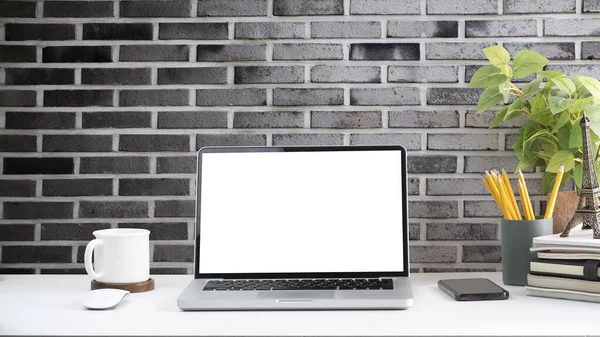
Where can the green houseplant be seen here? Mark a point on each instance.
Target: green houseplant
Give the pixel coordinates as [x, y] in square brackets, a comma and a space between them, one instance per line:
[552, 103]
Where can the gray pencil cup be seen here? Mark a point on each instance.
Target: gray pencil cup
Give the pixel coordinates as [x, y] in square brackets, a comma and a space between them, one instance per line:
[516, 238]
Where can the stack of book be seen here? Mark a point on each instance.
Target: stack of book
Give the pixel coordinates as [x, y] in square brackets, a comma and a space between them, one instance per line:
[565, 267]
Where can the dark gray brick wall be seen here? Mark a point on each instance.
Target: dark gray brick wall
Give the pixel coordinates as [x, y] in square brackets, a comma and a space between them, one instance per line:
[103, 105]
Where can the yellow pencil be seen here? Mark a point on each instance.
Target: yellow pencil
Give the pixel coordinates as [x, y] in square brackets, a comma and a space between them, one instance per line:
[552, 201]
[530, 215]
[508, 214]
[523, 201]
[511, 195]
[490, 189]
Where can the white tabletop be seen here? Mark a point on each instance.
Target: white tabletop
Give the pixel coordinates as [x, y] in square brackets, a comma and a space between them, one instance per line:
[49, 305]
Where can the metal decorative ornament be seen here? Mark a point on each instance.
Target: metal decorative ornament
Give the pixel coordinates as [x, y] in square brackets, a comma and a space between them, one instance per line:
[588, 207]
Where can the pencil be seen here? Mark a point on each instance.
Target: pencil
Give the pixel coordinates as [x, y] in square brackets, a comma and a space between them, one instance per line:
[508, 213]
[529, 215]
[552, 200]
[523, 201]
[511, 195]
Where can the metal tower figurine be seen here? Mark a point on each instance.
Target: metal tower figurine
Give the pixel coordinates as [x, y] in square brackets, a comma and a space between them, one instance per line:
[588, 207]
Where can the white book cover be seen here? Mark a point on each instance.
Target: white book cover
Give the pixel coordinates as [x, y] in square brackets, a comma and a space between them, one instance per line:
[568, 256]
[563, 294]
[577, 238]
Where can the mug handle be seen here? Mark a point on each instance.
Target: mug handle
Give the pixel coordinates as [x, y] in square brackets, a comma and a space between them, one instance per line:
[87, 259]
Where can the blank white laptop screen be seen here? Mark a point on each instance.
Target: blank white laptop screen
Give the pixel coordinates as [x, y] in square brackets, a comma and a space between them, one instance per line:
[294, 212]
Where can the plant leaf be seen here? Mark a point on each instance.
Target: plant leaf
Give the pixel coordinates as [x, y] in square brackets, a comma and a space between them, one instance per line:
[527, 62]
[504, 89]
[563, 157]
[550, 74]
[565, 85]
[499, 117]
[558, 104]
[531, 86]
[487, 76]
[497, 55]
[562, 120]
[489, 98]
[591, 84]
[575, 140]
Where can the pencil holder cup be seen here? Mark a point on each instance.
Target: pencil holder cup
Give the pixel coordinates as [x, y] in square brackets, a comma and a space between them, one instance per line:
[516, 238]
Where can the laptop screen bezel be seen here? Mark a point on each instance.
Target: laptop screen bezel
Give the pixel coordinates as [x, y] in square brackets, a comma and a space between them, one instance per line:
[211, 149]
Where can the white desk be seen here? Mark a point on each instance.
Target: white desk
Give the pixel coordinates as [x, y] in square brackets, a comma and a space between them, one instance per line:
[50, 305]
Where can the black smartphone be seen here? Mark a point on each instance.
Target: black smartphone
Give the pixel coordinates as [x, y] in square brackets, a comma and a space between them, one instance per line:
[472, 289]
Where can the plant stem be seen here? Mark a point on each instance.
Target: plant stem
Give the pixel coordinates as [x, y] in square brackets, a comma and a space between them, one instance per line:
[518, 91]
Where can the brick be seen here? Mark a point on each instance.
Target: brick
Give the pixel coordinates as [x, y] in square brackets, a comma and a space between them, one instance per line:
[88, 54]
[17, 9]
[116, 119]
[500, 28]
[345, 29]
[478, 164]
[479, 253]
[345, 74]
[173, 253]
[15, 271]
[77, 143]
[455, 186]
[571, 27]
[315, 96]
[185, 164]
[241, 97]
[17, 232]
[175, 208]
[162, 230]
[77, 187]
[78, 9]
[193, 31]
[154, 53]
[589, 6]
[268, 119]
[16, 188]
[308, 139]
[423, 74]
[114, 165]
[206, 75]
[232, 8]
[462, 7]
[147, 9]
[153, 97]
[414, 231]
[580, 69]
[456, 50]
[411, 141]
[552, 51]
[486, 118]
[381, 51]
[589, 50]
[169, 271]
[345, 119]
[154, 143]
[455, 141]
[431, 164]
[385, 96]
[433, 209]
[36, 76]
[18, 143]
[115, 76]
[452, 96]
[308, 7]
[131, 187]
[458, 270]
[36, 254]
[538, 6]
[24, 32]
[70, 231]
[231, 140]
[422, 29]
[62, 271]
[481, 209]
[17, 98]
[385, 7]
[413, 186]
[305, 51]
[113, 209]
[17, 53]
[269, 30]
[424, 119]
[117, 31]
[433, 254]
[78, 98]
[192, 119]
[38, 166]
[462, 231]
[265, 74]
[233, 52]
[38, 210]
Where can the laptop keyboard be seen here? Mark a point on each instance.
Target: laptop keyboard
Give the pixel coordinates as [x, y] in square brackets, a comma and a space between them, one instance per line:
[299, 284]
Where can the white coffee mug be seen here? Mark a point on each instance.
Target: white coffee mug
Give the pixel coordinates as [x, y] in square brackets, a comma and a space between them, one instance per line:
[121, 255]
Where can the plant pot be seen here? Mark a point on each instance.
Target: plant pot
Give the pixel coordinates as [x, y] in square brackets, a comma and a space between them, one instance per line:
[566, 203]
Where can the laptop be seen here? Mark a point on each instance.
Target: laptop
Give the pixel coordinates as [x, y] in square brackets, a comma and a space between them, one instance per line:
[298, 228]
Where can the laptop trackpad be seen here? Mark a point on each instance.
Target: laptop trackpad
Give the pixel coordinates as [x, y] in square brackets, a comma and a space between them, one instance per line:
[295, 295]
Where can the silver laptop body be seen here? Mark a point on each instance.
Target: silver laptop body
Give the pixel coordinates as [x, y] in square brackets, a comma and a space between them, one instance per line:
[325, 218]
